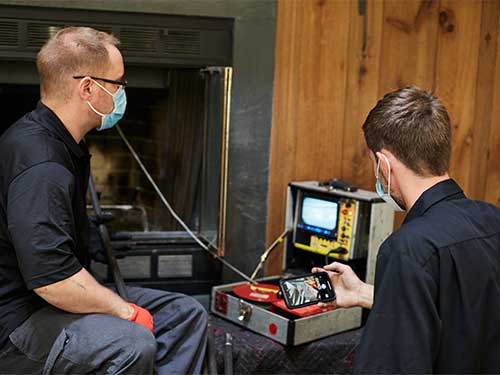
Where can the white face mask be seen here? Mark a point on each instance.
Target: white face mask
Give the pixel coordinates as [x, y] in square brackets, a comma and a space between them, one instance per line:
[386, 196]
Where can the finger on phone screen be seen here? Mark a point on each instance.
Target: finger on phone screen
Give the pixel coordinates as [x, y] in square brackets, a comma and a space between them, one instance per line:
[336, 266]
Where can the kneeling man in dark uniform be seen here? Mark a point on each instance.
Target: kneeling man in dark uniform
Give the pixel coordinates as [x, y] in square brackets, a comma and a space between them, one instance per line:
[54, 316]
[435, 303]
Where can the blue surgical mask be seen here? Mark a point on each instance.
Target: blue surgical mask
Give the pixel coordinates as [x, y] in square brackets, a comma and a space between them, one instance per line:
[108, 120]
[386, 196]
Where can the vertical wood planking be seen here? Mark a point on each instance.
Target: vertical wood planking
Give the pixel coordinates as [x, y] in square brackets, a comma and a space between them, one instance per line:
[283, 138]
[484, 99]
[409, 47]
[362, 92]
[492, 193]
[457, 62]
[308, 115]
[409, 43]
[322, 84]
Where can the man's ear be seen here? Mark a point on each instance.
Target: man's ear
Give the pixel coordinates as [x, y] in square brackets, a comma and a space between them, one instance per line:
[389, 155]
[382, 158]
[85, 88]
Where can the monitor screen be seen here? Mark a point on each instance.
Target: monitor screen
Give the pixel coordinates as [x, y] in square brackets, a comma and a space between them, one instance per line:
[319, 213]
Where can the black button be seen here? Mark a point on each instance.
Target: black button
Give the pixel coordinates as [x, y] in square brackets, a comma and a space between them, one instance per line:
[342, 250]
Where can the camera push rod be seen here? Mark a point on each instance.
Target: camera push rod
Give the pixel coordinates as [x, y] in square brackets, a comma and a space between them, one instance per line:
[266, 254]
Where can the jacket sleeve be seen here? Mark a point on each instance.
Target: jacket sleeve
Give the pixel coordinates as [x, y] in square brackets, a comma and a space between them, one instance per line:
[403, 329]
[41, 224]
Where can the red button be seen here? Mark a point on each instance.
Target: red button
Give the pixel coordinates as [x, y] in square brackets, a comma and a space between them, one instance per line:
[273, 328]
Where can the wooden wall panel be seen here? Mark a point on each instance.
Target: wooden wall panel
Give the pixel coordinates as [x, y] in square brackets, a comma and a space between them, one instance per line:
[325, 84]
[457, 66]
[323, 54]
[484, 103]
[409, 47]
[409, 42]
[314, 37]
[492, 191]
[362, 90]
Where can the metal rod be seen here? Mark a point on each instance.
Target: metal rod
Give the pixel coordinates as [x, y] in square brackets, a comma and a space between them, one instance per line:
[106, 243]
[172, 212]
[211, 350]
[264, 256]
[228, 355]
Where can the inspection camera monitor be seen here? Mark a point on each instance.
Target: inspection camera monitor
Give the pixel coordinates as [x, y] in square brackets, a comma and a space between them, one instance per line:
[332, 223]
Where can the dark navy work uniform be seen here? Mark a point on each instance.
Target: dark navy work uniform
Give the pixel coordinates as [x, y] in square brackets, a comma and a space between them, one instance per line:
[43, 240]
[437, 290]
[43, 220]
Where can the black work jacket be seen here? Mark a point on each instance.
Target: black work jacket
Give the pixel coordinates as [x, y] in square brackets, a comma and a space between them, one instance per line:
[437, 290]
[43, 220]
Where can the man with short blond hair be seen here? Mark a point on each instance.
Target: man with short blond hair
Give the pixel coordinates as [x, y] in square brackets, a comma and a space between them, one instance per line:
[54, 316]
[76, 49]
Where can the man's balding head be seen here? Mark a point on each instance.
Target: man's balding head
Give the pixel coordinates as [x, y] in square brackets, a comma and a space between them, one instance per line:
[72, 51]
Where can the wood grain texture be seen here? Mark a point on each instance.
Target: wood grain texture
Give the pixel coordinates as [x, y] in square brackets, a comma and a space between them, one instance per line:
[457, 70]
[409, 48]
[362, 91]
[483, 106]
[409, 43]
[325, 84]
[492, 191]
[283, 136]
[311, 72]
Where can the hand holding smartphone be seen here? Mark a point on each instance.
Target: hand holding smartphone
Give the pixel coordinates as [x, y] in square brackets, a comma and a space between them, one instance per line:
[307, 290]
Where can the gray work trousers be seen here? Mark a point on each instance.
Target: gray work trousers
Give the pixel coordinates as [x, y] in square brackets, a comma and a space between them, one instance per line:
[53, 341]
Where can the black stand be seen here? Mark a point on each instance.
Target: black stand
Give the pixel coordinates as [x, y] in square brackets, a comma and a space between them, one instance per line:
[106, 243]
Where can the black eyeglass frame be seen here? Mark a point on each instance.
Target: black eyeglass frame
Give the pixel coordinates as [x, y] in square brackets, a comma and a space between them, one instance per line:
[121, 83]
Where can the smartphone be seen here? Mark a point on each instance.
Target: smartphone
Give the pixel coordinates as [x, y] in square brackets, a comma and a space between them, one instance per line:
[307, 290]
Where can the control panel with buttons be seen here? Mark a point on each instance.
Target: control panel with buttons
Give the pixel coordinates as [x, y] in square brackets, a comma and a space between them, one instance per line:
[330, 222]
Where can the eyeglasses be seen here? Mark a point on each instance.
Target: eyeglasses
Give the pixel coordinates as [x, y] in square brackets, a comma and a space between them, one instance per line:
[121, 83]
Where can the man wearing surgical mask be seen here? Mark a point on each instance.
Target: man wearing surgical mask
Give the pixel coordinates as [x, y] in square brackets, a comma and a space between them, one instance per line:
[434, 305]
[54, 316]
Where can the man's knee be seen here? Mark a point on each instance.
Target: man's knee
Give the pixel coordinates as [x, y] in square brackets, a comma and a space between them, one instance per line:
[135, 352]
[140, 343]
[104, 343]
[195, 310]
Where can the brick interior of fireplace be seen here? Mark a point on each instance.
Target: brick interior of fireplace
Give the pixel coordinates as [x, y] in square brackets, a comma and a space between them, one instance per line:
[165, 126]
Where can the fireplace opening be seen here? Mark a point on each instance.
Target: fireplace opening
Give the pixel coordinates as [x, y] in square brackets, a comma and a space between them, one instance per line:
[166, 127]
[175, 127]
[177, 119]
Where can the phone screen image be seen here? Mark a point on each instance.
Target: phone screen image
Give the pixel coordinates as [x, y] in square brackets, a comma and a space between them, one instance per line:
[307, 290]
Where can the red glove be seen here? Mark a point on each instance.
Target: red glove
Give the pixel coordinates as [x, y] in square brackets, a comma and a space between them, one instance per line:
[142, 316]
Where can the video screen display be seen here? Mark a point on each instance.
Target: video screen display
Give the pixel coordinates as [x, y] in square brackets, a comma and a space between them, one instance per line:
[301, 291]
[320, 213]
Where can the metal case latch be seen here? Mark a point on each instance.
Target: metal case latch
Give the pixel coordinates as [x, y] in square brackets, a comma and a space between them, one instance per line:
[245, 311]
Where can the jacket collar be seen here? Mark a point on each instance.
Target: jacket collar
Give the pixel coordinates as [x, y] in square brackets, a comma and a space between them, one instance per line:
[49, 120]
[444, 190]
